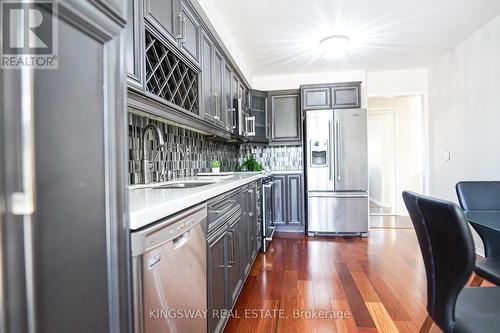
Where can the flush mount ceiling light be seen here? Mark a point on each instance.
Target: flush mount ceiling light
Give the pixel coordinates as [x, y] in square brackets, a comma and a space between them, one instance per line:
[334, 47]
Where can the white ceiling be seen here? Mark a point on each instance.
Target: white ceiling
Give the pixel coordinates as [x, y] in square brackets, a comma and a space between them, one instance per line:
[281, 36]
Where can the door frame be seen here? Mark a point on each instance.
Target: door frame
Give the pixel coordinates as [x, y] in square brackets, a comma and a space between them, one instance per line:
[393, 112]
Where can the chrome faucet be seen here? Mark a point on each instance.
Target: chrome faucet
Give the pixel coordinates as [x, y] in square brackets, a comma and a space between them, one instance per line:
[183, 154]
[147, 165]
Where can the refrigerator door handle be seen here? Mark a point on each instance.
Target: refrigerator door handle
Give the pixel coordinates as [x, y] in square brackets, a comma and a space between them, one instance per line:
[330, 140]
[23, 203]
[337, 149]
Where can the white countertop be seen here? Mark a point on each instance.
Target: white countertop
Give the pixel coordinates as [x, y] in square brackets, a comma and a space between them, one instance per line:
[147, 205]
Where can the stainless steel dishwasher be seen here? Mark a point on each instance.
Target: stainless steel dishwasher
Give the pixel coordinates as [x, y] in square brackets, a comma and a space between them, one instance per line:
[169, 274]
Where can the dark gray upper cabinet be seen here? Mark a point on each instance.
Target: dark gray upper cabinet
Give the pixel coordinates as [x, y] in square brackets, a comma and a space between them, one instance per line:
[347, 97]
[207, 79]
[316, 98]
[286, 117]
[134, 46]
[218, 76]
[164, 16]
[228, 110]
[258, 109]
[342, 95]
[189, 34]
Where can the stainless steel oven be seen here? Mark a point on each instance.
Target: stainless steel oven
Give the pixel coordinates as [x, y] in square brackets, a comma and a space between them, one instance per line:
[267, 209]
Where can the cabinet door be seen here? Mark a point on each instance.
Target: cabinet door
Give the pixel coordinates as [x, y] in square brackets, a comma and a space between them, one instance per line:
[258, 109]
[207, 52]
[346, 97]
[218, 68]
[316, 98]
[216, 282]
[235, 261]
[229, 114]
[134, 47]
[189, 34]
[242, 245]
[286, 119]
[251, 223]
[163, 14]
[295, 200]
[279, 200]
[235, 86]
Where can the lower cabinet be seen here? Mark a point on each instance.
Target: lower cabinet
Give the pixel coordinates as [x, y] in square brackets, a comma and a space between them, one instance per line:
[235, 260]
[232, 246]
[288, 202]
[216, 275]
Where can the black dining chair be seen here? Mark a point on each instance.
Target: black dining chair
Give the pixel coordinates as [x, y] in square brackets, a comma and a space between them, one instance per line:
[483, 196]
[448, 252]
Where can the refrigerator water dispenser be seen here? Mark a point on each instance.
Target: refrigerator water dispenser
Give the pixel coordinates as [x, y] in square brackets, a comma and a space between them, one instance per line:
[318, 151]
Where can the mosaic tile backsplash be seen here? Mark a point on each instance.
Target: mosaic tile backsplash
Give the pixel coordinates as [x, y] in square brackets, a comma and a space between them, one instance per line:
[275, 158]
[199, 151]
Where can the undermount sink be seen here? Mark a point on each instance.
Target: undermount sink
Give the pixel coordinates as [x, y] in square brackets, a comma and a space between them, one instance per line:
[183, 185]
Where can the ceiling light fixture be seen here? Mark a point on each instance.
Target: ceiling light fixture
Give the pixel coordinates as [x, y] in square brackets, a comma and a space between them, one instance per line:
[335, 46]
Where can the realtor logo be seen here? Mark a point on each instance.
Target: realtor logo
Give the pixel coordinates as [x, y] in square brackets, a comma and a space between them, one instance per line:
[29, 34]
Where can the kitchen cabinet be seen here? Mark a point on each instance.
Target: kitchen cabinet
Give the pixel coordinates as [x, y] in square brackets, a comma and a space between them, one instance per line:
[176, 21]
[286, 118]
[346, 97]
[216, 266]
[218, 76]
[231, 249]
[295, 200]
[258, 109]
[164, 16]
[207, 79]
[235, 260]
[279, 200]
[134, 44]
[342, 95]
[228, 110]
[316, 98]
[75, 241]
[288, 202]
[189, 34]
[212, 63]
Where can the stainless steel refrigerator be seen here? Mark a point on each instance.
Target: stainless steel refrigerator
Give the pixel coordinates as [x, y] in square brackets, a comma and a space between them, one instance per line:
[337, 171]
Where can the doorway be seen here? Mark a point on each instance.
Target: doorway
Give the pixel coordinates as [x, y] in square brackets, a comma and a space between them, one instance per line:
[382, 161]
[395, 157]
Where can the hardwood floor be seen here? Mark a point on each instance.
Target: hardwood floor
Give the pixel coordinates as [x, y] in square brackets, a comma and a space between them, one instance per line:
[376, 284]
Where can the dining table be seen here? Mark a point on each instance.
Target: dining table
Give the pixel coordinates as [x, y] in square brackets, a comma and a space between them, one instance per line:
[487, 225]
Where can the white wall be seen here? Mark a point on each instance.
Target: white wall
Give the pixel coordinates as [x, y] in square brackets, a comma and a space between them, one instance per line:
[225, 37]
[397, 83]
[464, 110]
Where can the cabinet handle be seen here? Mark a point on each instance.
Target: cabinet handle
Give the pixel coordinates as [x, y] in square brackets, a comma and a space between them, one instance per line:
[232, 261]
[337, 149]
[184, 27]
[179, 26]
[23, 203]
[330, 153]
